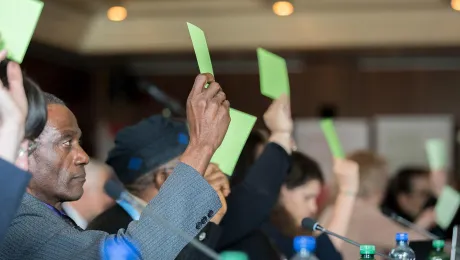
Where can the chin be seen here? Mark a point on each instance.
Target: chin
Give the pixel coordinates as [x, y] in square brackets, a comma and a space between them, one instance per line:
[74, 195]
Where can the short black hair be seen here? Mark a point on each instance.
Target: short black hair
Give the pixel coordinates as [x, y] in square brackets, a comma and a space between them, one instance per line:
[52, 99]
[303, 169]
[402, 181]
[37, 113]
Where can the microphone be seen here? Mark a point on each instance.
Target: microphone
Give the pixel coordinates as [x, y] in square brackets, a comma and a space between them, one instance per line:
[311, 224]
[134, 207]
[408, 224]
[162, 98]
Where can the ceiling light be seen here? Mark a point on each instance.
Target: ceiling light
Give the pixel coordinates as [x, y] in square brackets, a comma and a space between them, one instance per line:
[455, 5]
[283, 8]
[117, 13]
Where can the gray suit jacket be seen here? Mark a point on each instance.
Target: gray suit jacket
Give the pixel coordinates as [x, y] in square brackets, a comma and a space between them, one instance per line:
[185, 200]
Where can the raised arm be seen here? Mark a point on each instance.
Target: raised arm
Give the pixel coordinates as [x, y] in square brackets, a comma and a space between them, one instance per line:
[251, 201]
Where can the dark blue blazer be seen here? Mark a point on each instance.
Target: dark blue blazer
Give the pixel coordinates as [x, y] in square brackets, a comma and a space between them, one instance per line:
[13, 183]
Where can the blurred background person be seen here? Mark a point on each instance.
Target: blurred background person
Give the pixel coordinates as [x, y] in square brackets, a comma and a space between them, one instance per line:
[367, 221]
[94, 200]
[408, 194]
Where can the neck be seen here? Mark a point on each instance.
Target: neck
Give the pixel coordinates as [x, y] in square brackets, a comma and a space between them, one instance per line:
[148, 194]
[46, 199]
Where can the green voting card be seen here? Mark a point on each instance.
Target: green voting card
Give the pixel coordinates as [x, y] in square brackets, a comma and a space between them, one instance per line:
[447, 206]
[436, 153]
[201, 48]
[327, 125]
[238, 132]
[18, 19]
[274, 79]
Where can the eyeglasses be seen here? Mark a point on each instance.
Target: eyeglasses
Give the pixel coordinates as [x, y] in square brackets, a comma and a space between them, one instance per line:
[30, 149]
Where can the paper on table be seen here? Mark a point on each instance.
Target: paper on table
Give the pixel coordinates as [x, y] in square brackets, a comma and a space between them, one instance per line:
[18, 19]
[274, 79]
[327, 125]
[436, 152]
[446, 207]
[238, 132]
[201, 48]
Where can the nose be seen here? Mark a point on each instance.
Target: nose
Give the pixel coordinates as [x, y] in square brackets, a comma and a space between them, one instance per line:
[82, 157]
[314, 207]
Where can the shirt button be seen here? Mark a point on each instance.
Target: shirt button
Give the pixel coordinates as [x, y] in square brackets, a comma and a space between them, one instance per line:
[198, 225]
[204, 220]
[210, 214]
[202, 236]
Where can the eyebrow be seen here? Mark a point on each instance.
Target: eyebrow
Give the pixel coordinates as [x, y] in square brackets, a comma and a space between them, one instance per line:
[70, 132]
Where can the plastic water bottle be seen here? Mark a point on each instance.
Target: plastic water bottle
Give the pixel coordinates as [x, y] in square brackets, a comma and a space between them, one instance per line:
[304, 247]
[438, 251]
[233, 255]
[367, 252]
[402, 251]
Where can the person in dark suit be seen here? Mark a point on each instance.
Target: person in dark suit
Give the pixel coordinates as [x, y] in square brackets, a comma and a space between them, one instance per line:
[22, 118]
[153, 148]
[40, 230]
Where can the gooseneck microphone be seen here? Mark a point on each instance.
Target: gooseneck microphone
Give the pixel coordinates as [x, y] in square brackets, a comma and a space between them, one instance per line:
[312, 225]
[408, 224]
[134, 206]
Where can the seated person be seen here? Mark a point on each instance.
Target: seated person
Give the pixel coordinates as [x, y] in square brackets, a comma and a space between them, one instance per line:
[368, 224]
[158, 142]
[41, 230]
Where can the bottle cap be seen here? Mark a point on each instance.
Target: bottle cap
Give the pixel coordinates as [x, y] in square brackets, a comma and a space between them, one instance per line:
[402, 237]
[233, 255]
[367, 249]
[438, 243]
[304, 242]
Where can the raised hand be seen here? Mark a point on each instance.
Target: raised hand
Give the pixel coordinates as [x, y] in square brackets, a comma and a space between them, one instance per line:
[13, 111]
[219, 181]
[208, 117]
[279, 121]
[347, 175]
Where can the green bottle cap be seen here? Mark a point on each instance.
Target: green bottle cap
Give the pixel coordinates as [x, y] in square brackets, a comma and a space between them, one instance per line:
[438, 243]
[233, 255]
[367, 249]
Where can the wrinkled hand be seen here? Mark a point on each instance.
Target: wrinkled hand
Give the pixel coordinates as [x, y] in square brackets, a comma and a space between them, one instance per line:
[13, 111]
[208, 117]
[219, 181]
[426, 219]
[347, 175]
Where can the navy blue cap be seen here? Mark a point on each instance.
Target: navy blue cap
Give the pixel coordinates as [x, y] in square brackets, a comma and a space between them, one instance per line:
[304, 242]
[402, 237]
[142, 148]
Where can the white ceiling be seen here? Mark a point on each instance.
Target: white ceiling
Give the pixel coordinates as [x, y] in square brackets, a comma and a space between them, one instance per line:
[159, 25]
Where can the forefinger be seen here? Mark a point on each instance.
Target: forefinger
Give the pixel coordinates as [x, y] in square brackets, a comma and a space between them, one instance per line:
[200, 82]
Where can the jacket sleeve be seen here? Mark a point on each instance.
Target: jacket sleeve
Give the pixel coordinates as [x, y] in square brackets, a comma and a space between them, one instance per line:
[209, 236]
[250, 202]
[14, 182]
[184, 203]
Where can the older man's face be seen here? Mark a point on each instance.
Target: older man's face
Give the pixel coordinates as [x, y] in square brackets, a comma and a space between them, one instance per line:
[58, 163]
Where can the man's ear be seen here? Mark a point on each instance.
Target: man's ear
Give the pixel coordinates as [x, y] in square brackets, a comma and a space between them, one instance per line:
[160, 178]
[22, 161]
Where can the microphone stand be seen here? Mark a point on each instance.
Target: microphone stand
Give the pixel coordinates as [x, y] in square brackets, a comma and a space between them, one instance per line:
[317, 227]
